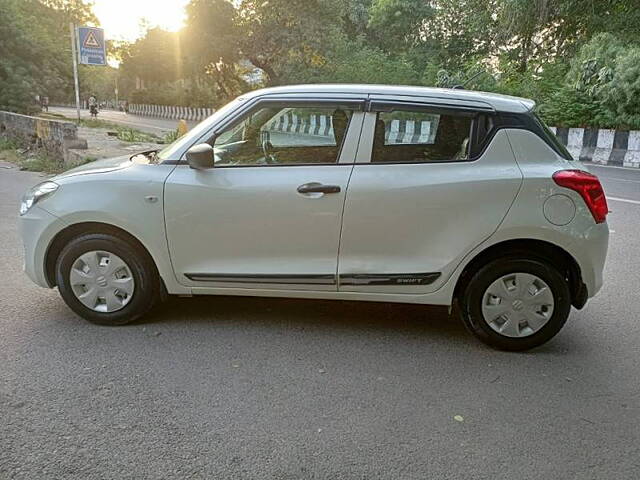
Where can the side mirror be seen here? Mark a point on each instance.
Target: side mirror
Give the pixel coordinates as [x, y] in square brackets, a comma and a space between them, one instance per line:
[201, 156]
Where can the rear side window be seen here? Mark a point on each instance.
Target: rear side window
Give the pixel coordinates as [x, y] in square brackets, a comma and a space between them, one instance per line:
[421, 136]
[530, 121]
[552, 139]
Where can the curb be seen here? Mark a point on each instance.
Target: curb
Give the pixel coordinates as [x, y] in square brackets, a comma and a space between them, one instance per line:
[602, 146]
[171, 112]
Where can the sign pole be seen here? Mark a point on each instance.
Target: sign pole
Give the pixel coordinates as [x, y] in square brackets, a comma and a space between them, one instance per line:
[72, 30]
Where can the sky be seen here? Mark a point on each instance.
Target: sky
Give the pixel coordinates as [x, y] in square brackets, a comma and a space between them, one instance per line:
[122, 19]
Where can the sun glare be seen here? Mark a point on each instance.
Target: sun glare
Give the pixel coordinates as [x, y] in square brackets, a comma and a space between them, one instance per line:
[126, 19]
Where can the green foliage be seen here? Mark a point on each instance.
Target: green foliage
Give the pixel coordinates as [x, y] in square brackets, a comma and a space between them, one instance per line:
[594, 63]
[97, 123]
[7, 144]
[567, 107]
[171, 136]
[99, 81]
[34, 50]
[621, 96]
[396, 23]
[155, 58]
[40, 162]
[132, 135]
[211, 50]
[275, 33]
[352, 61]
[578, 60]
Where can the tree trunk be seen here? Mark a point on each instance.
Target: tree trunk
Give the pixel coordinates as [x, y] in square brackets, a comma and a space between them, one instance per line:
[266, 68]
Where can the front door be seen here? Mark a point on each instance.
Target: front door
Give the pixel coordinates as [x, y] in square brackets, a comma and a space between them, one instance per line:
[268, 215]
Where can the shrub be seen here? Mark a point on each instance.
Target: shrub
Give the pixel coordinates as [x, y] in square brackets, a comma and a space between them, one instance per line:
[621, 96]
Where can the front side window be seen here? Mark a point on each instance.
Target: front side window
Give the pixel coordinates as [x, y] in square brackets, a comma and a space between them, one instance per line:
[421, 136]
[284, 135]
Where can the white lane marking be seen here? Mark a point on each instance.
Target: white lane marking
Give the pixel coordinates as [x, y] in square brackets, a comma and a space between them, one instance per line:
[593, 165]
[625, 200]
[620, 179]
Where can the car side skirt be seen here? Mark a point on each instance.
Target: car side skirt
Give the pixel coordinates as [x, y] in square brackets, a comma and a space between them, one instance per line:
[319, 279]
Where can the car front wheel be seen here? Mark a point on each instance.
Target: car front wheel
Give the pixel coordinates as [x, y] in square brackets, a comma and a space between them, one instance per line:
[106, 279]
[516, 304]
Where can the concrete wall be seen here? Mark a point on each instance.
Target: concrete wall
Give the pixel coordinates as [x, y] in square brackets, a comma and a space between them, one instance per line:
[52, 136]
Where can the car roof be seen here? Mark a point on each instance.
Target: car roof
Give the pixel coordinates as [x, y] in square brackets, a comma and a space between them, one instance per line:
[497, 102]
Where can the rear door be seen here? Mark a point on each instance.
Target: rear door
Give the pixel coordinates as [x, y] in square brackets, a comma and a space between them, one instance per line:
[428, 186]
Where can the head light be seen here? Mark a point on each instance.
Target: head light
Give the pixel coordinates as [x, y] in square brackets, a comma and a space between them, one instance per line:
[35, 194]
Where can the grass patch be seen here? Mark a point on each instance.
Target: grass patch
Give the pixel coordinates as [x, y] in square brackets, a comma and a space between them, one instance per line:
[171, 136]
[7, 144]
[39, 162]
[95, 123]
[53, 116]
[125, 134]
[132, 135]
[36, 163]
[10, 156]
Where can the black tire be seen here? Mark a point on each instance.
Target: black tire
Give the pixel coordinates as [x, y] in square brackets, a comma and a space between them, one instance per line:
[471, 302]
[145, 275]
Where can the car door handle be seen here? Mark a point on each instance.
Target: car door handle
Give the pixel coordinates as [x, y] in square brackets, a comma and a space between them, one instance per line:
[318, 188]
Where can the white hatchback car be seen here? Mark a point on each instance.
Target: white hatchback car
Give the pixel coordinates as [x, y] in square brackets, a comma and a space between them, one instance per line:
[358, 192]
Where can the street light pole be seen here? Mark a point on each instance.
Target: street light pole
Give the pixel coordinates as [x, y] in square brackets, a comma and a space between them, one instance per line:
[72, 30]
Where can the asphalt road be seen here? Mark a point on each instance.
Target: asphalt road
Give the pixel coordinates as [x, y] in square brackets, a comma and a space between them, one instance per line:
[262, 388]
[159, 126]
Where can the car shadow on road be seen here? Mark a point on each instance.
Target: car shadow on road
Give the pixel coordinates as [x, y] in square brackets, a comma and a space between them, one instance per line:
[330, 314]
[433, 323]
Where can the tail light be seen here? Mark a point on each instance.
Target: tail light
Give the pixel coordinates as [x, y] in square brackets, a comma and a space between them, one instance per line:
[589, 188]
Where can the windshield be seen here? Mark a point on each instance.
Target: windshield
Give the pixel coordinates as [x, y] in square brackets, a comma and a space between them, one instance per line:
[171, 150]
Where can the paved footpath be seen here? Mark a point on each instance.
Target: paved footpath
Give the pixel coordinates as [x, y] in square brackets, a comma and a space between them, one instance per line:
[236, 388]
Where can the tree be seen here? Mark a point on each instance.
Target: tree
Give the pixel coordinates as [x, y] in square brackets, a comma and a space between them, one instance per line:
[210, 41]
[621, 96]
[396, 24]
[276, 32]
[35, 57]
[155, 58]
[353, 61]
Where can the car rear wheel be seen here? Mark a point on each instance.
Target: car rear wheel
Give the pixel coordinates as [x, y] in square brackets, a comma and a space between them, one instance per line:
[106, 279]
[516, 304]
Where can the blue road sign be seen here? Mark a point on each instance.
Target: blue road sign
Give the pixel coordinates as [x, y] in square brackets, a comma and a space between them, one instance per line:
[91, 48]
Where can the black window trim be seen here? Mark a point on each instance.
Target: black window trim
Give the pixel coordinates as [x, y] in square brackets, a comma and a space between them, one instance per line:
[528, 121]
[456, 109]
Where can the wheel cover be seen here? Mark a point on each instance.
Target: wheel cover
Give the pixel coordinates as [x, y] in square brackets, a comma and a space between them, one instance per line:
[517, 305]
[101, 281]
